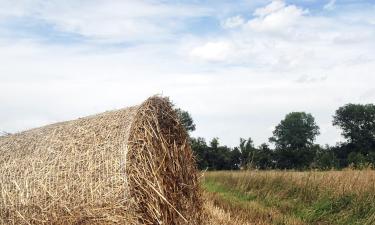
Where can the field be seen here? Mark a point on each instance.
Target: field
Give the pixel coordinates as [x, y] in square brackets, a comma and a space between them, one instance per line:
[290, 198]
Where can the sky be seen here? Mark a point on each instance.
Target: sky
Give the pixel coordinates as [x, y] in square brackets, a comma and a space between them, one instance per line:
[238, 66]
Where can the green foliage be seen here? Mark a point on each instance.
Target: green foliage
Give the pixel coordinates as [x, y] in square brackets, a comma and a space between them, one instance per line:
[247, 150]
[214, 143]
[214, 156]
[235, 159]
[294, 138]
[356, 159]
[325, 159]
[357, 123]
[264, 157]
[199, 148]
[217, 157]
[186, 119]
[371, 158]
[297, 131]
[294, 144]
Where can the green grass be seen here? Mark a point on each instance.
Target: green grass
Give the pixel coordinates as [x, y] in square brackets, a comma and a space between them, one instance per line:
[228, 193]
[292, 199]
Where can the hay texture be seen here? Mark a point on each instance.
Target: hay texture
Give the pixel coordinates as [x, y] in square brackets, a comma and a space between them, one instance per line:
[130, 166]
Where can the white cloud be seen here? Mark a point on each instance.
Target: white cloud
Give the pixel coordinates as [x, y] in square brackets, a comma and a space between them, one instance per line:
[273, 7]
[327, 60]
[330, 5]
[236, 82]
[233, 22]
[108, 21]
[277, 16]
[212, 51]
[80, 80]
[283, 37]
[9, 8]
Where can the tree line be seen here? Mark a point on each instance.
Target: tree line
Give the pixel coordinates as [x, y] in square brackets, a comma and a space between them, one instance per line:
[294, 144]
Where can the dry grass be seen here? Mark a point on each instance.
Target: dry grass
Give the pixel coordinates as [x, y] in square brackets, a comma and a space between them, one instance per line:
[229, 208]
[130, 166]
[337, 182]
[286, 197]
[217, 215]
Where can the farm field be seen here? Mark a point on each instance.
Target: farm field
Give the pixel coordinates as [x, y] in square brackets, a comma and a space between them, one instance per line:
[290, 198]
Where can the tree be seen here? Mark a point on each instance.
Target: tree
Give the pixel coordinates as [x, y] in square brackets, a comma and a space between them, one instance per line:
[235, 159]
[356, 159]
[214, 143]
[185, 119]
[215, 156]
[247, 150]
[358, 125]
[294, 140]
[297, 130]
[199, 147]
[342, 151]
[263, 157]
[325, 158]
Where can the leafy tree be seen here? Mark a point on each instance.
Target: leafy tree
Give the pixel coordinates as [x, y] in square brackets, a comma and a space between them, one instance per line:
[219, 156]
[358, 125]
[235, 159]
[223, 158]
[247, 150]
[294, 158]
[325, 158]
[371, 158]
[214, 143]
[186, 119]
[342, 151]
[263, 157]
[215, 156]
[297, 130]
[294, 138]
[356, 159]
[199, 148]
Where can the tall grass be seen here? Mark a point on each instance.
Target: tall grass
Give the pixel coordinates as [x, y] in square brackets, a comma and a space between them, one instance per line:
[332, 197]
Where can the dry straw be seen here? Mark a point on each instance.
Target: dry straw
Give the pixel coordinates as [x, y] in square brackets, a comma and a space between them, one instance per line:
[130, 166]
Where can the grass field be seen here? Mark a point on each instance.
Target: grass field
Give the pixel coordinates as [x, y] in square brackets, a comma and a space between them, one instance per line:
[284, 197]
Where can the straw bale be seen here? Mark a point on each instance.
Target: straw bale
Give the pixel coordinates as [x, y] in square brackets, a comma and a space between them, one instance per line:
[129, 166]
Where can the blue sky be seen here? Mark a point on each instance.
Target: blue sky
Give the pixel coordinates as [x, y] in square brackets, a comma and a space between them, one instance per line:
[237, 66]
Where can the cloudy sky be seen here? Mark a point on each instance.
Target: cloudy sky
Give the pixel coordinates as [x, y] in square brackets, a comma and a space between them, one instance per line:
[238, 66]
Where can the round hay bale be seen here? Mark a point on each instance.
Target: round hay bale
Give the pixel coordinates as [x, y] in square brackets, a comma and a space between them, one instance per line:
[130, 166]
